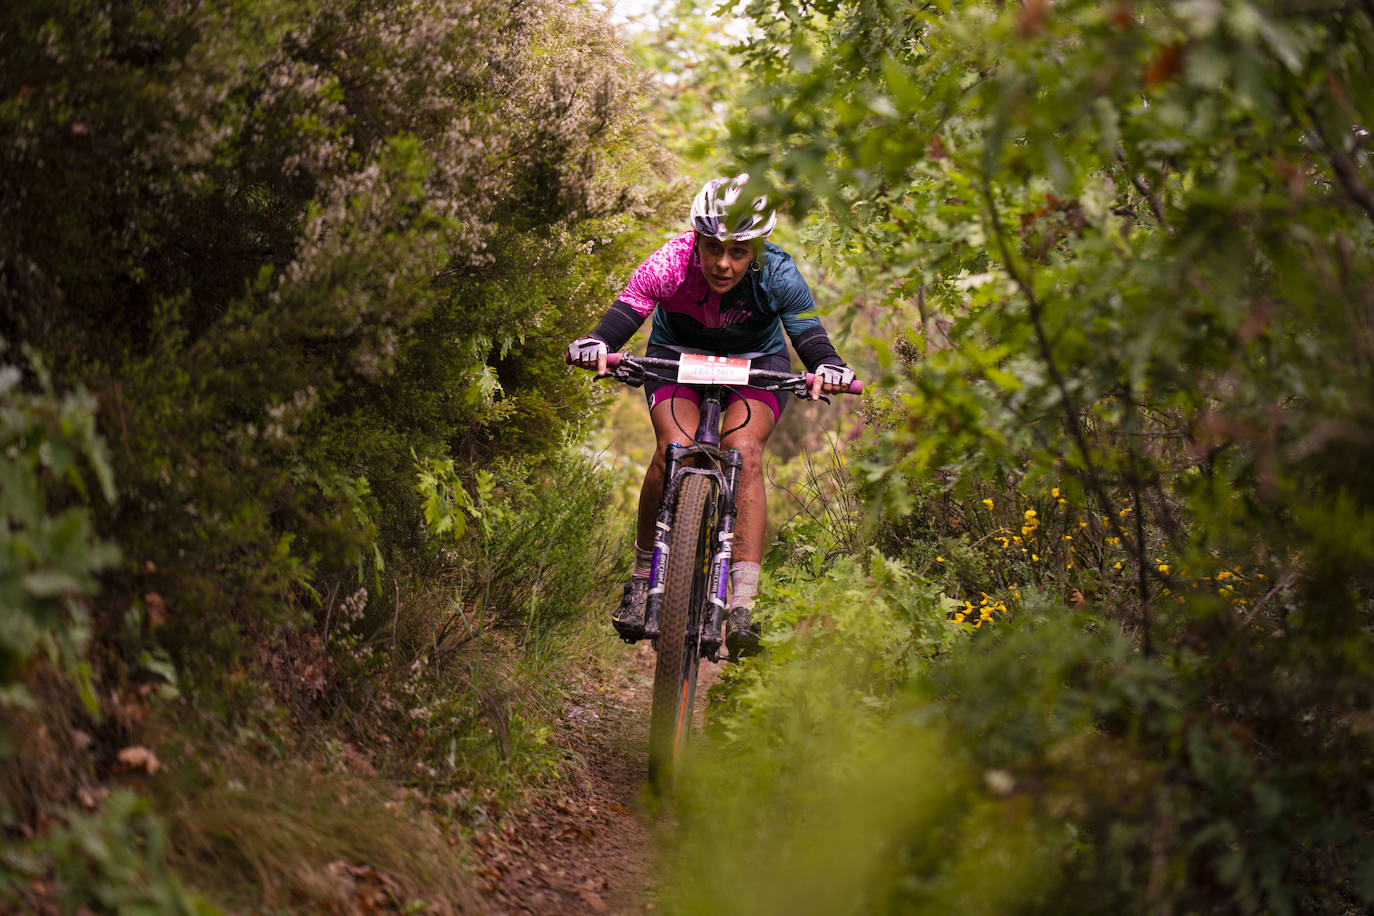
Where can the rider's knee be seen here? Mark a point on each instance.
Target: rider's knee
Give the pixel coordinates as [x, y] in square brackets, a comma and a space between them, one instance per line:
[660, 455]
[749, 448]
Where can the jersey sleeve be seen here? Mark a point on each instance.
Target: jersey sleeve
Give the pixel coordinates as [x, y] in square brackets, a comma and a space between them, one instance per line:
[796, 308]
[658, 277]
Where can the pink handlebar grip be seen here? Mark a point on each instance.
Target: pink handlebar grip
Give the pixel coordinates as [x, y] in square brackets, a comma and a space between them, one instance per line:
[855, 387]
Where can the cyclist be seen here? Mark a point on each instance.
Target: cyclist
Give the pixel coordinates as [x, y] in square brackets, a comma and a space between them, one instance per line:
[720, 289]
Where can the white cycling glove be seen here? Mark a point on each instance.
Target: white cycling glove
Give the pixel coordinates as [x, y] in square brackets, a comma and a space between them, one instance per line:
[840, 376]
[585, 351]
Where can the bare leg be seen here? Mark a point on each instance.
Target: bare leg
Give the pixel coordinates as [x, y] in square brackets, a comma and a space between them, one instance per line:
[750, 499]
[755, 422]
[674, 420]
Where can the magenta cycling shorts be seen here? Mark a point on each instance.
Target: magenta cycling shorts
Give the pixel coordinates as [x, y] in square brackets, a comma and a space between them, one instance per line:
[657, 391]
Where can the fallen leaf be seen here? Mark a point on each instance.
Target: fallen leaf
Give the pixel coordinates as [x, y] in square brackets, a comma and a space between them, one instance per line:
[140, 758]
[156, 608]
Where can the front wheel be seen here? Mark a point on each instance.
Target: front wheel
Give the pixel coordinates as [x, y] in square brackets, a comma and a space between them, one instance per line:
[684, 595]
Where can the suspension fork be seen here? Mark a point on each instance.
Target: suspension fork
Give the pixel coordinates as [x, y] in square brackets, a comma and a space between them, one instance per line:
[719, 575]
[725, 541]
[663, 526]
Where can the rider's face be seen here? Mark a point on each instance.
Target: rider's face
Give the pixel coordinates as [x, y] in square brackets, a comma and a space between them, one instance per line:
[723, 263]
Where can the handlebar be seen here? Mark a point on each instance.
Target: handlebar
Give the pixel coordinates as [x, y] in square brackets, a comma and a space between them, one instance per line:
[637, 367]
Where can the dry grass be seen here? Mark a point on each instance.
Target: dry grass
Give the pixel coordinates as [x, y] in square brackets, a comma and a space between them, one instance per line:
[302, 836]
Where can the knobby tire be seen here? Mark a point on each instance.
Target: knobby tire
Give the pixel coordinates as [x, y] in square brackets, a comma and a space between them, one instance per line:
[675, 672]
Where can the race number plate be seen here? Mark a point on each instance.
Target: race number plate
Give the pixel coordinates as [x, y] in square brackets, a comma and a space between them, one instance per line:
[698, 369]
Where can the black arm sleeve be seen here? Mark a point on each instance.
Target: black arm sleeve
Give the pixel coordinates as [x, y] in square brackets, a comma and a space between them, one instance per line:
[815, 349]
[618, 325]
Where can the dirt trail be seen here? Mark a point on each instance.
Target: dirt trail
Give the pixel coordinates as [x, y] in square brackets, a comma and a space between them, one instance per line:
[590, 850]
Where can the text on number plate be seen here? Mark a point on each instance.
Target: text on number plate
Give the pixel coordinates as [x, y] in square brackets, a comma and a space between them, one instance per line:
[699, 369]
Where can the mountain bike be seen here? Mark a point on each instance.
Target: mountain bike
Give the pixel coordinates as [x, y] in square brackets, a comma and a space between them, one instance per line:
[694, 532]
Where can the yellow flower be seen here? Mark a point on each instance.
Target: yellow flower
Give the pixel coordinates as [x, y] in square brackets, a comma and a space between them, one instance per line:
[1118, 565]
[988, 503]
[1055, 492]
[1082, 524]
[1063, 503]
[1164, 568]
[1030, 513]
[1016, 594]
[939, 559]
[958, 618]
[1035, 558]
[1066, 538]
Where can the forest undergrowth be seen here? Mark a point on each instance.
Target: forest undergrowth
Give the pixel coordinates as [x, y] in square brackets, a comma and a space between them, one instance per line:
[1103, 641]
[288, 612]
[1081, 622]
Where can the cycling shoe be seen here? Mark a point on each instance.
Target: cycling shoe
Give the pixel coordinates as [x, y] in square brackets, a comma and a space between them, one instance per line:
[628, 619]
[741, 634]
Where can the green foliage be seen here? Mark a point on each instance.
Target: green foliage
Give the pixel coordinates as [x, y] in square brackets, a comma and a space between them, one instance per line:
[291, 246]
[456, 673]
[543, 531]
[112, 861]
[1125, 356]
[298, 251]
[49, 552]
[846, 791]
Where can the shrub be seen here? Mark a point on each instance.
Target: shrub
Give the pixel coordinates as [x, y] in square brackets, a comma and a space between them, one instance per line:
[55, 464]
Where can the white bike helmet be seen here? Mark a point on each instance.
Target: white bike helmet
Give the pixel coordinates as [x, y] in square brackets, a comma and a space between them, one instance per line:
[713, 202]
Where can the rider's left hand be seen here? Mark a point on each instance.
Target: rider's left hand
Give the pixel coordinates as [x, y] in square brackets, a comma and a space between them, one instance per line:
[830, 378]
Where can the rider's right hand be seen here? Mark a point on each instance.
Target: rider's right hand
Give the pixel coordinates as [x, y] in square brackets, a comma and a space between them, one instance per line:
[589, 353]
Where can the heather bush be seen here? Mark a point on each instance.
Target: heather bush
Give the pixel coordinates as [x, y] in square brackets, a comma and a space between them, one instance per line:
[288, 256]
[291, 249]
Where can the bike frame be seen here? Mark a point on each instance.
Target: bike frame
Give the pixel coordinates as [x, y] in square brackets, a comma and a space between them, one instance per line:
[698, 580]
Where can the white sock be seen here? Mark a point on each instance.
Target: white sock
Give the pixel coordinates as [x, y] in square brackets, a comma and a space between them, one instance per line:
[644, 562]
[744, 584]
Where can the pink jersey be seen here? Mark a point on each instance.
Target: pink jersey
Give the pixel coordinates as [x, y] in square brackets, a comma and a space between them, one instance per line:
[747, 320]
